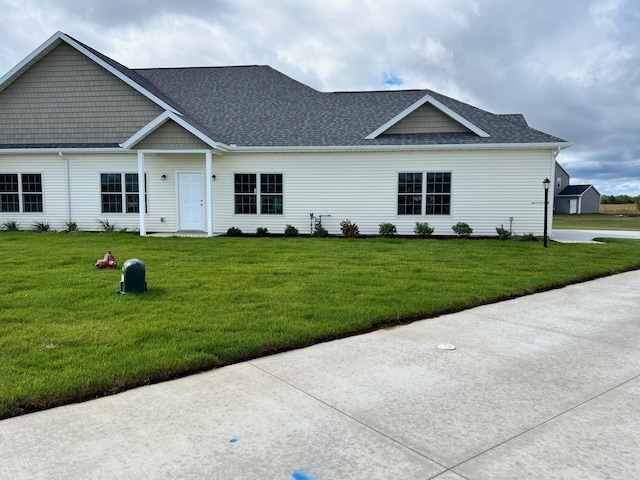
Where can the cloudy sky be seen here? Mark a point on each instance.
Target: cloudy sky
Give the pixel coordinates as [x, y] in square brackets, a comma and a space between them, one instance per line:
[572, 67]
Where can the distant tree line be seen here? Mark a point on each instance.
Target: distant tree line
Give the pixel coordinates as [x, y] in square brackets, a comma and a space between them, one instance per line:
[618, 199]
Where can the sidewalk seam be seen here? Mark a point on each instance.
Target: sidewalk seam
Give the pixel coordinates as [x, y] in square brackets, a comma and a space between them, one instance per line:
[550, 419]
[368, 427]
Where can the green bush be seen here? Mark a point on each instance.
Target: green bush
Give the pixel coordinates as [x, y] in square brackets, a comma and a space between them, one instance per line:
[234, 232]
[387, 230]
[462, 229]
[262, 232]
[291, 231]
[349, 229]
[106, 226]
[527, 237]
[423, 229]
[41, 226]
[321, 232]
[503, 233]
[11, 226]
[70, 227]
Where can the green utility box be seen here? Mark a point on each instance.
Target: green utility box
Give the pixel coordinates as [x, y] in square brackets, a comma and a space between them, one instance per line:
[133, 277]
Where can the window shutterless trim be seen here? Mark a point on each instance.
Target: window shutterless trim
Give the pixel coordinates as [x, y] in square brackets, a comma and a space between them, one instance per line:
[424, 193]
[119, 193]
[258, 193]
[21, 193]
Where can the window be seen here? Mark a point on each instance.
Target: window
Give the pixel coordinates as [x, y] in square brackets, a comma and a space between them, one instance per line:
[21, 192]
[271, 194]
[267, 193]
[409, 193]
[436, 194]
[115, 198]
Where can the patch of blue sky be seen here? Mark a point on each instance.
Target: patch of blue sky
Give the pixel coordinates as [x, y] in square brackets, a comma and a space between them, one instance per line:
[392, 79]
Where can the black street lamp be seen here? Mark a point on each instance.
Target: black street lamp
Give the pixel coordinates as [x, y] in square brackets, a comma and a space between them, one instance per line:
[546, 182]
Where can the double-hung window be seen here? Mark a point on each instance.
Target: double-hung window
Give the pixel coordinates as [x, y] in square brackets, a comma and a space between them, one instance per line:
[120, 193]
[21, 192]
[431, 189]
[410, 193]
[438, 194]
[264, 189]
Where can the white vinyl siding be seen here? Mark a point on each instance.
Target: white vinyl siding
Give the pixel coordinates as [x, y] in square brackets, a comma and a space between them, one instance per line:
[487, 189]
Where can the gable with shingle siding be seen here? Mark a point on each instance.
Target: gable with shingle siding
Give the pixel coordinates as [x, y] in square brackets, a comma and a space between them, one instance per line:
[427, 119]
[66, 98]
[171, 136]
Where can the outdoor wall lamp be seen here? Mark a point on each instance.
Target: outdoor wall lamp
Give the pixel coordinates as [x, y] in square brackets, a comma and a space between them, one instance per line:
[546, 182]
[163, 177]
[213, 177]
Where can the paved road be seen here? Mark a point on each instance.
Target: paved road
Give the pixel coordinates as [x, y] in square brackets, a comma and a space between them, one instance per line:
[541, 387]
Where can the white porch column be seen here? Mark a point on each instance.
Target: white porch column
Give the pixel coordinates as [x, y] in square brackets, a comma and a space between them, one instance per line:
[141, 193]
[209, 173]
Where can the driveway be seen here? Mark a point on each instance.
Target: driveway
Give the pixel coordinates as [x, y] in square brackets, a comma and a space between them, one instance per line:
[587, 236]
[541, 387]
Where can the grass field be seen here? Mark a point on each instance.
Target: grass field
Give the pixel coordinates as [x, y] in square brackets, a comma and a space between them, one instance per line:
[66, 336]
[597, 221]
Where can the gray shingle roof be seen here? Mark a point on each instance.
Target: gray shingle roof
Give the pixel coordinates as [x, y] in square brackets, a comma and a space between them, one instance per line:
[259, 106]
[573, 190]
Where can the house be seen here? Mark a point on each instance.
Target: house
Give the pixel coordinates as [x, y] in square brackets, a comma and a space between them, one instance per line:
[84, 139]
[574, 198]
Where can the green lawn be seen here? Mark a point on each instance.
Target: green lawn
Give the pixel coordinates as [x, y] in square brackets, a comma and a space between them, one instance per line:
[596, 221]
[65, 335]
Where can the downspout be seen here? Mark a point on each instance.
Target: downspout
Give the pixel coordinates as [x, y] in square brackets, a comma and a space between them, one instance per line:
[67, 185]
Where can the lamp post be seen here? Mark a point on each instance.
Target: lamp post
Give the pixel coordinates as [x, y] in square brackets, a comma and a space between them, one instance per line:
[546, 182]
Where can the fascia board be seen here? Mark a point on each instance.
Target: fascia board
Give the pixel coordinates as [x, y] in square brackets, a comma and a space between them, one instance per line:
[374, 148]
[54, 151]
[160, 120]
[440, 106]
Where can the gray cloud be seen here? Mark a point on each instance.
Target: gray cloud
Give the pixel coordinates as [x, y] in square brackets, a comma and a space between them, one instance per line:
[572, 67]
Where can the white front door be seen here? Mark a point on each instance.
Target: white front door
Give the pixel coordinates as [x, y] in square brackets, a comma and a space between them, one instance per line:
[573, 205]
[190, 201]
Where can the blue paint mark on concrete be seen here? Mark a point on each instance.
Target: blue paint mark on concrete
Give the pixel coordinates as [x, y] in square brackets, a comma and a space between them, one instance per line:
[233, 440]
[301, 476]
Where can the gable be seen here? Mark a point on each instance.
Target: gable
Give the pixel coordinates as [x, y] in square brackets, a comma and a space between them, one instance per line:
[66, 98]
[171, 136]
[427, 119]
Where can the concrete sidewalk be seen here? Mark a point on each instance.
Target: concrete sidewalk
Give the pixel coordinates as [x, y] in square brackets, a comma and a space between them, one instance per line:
[541, 387]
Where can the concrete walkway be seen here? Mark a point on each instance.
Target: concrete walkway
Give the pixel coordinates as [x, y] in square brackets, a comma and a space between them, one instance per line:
[541, 387]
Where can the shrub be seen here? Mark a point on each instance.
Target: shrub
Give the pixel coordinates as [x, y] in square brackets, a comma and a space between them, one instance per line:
[462, 229]
[262, 232]
[423, 230]
[41, 226]
[106, 227]
[349, 229]
[11, 226]
[234, 232]
[527, 237]
[638, 204]
[321, 232]
[291, 231]
[503, 233]
[387, 230]
[70, 227]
